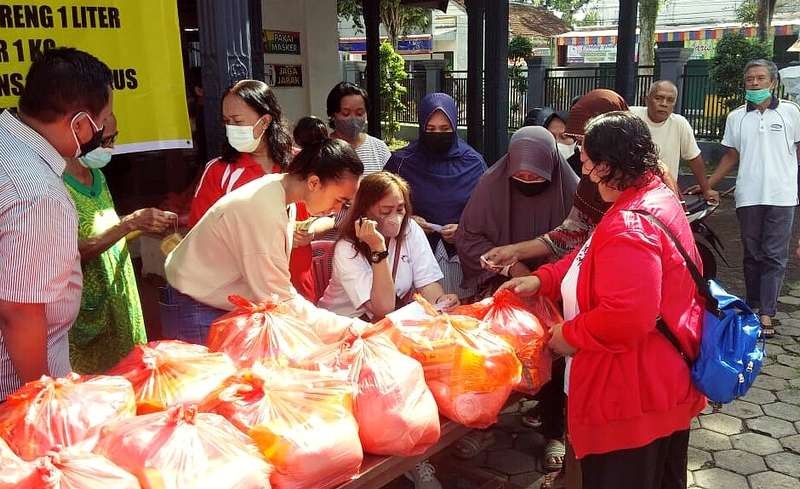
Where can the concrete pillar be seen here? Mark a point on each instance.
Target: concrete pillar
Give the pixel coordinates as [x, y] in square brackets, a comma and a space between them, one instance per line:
[537, 70]
[670, 64]
[434, 69]
[228, 39]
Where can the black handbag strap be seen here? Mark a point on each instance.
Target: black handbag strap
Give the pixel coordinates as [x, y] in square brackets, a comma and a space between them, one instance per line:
[661, 326]
[702, 285]
[700, 282]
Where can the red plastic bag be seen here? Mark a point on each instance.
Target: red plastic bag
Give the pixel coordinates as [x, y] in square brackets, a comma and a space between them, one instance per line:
[266, 333]
[301, 420]
[13, 470]
[395, 410]
[166, 373]
[63, 412]
[470, 370]
[64, 470]
[514, 321]
[183, 449]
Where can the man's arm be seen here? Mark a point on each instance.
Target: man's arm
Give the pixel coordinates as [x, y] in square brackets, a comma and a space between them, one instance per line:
[726, 164]
[24, 330]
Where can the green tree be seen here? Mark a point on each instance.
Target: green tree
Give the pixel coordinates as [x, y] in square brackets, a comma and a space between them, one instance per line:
[397, 19]
[726, 69]
[393, 74]
[519, 48]
[648, 14]
[747, 12]
[764, 12]
[590, 19]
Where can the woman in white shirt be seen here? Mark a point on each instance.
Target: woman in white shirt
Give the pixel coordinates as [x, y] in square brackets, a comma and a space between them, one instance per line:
[382, 256]
[242, 244]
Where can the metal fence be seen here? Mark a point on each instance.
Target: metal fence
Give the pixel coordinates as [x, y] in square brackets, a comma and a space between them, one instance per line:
[563, 85]
[415, 91]
[454, 83]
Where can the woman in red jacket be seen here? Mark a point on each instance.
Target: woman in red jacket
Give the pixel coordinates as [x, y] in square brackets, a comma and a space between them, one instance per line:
[630, 397]
[257, 143]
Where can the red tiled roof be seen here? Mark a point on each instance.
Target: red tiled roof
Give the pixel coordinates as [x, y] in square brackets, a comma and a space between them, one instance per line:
[529, 21]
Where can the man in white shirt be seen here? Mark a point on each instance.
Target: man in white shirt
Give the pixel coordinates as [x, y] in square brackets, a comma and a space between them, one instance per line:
[763, 136]
[673, 135]
[62, 110]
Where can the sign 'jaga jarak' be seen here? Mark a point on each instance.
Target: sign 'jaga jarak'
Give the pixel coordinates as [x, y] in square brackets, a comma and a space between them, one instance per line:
[284, 75]
[281, 42]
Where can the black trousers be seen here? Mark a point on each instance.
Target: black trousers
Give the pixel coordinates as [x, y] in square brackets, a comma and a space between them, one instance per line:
[659, 465]
[552, 402]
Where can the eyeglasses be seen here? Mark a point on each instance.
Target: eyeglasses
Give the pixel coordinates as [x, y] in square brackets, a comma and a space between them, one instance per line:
[109, 140]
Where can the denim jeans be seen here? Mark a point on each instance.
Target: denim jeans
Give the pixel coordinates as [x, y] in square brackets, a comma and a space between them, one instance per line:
[766, 232]
[185, 319]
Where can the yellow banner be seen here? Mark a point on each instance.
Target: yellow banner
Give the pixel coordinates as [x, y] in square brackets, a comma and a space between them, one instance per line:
[138, 39]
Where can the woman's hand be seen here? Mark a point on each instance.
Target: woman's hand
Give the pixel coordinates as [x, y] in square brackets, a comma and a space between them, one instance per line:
[449, 232]
[151, 220]
[367, 231]
[502, 255]
[446, 302]
[302, 238]
[423, 224]
[558, 343]
[522, 286]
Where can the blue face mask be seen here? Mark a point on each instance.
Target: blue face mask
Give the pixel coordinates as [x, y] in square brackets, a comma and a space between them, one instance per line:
[757, 96]
[97, 158]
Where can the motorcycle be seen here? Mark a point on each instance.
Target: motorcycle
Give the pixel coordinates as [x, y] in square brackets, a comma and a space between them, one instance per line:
[708, 243]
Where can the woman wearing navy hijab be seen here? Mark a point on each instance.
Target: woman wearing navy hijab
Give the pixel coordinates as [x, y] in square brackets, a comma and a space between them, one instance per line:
[442, 171]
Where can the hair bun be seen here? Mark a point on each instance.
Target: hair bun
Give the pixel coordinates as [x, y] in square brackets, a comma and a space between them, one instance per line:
[310, 131]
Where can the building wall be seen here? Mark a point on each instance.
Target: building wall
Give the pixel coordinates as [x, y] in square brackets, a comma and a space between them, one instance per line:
[317, 23]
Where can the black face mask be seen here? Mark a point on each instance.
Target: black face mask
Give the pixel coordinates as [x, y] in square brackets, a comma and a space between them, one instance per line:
[529, 189]
[94, 142]
[438, 142]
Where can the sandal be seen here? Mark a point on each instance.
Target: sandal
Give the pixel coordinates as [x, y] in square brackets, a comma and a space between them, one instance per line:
[766, 327]
[554, 454]
[473, 443]
[531, 419]
[553, 480]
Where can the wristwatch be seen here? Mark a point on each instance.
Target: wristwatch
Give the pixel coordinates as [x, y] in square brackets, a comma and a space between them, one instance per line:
[378, 256]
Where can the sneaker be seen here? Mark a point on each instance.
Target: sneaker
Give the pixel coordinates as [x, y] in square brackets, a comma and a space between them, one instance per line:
[423, 476]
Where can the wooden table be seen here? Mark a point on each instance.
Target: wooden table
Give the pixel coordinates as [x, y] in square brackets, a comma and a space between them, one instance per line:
[377, 471]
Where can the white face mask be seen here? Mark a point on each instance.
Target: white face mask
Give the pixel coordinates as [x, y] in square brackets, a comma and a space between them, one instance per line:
[241, 138]
[566, 150]
[390, 226]
[97, 158]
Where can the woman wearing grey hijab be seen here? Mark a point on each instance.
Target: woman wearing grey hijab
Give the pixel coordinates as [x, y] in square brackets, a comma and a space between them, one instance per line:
[526, 193]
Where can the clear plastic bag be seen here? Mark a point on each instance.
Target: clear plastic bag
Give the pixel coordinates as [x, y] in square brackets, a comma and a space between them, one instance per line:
[301, 420]
[513, 319]
[266, 333]
[183, 449]
[470, 370]
[63, 412]
[166, 373]
[64, 469]
[395, 410]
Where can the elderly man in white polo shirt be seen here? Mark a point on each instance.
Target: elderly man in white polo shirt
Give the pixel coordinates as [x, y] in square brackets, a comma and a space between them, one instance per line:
[763, 136]
[673, 135]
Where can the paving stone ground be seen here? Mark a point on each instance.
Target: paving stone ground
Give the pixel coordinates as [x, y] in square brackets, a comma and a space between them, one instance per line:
[753, 443]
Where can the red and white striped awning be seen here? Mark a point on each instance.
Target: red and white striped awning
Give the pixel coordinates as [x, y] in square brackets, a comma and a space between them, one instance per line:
[578, 38]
